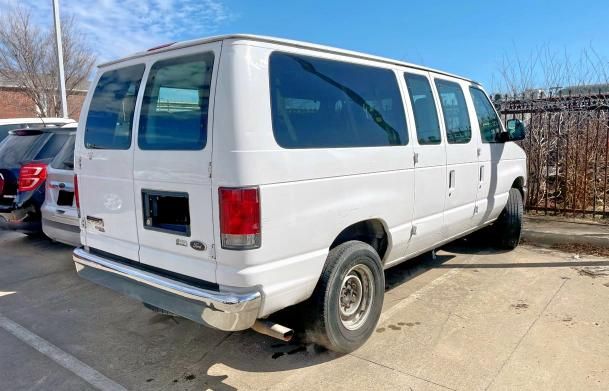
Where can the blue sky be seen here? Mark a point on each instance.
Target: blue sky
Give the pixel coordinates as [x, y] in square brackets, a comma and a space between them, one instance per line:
[471, 38]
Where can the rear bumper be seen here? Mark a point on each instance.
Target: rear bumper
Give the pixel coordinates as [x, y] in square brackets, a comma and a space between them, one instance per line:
[65, 233]
[221, 310]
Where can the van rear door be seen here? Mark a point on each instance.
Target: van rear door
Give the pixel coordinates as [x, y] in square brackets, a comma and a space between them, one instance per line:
[172, 181]
[104, 163]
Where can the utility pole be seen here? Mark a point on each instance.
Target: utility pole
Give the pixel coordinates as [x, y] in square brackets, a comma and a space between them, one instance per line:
[62, 80]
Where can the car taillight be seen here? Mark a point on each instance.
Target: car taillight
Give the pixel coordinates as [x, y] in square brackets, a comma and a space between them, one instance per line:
[239, 218]
[1, 184]
[76, 198]
[31, 176]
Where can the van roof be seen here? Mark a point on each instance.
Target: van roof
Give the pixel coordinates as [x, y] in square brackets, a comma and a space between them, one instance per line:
[282, 41]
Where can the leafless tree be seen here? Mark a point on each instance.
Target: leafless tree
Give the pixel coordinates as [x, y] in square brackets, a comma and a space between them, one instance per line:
[564, 100]
[28, 58]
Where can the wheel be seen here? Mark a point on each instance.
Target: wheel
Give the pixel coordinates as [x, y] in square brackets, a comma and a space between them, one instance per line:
[158, 310]
[347, 301]
[508, 226]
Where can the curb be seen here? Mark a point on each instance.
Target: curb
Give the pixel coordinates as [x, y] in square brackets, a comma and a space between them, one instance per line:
[553, 238]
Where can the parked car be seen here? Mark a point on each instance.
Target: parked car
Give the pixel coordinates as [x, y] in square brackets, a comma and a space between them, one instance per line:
[25, 123]
[59, 212]
[225, 179]
[24, 158]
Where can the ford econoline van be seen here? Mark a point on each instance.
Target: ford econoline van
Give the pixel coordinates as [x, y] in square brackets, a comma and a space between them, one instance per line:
[227, 178]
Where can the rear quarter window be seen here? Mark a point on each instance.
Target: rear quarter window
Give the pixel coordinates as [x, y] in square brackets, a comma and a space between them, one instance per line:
[110, 116]
[318, 103]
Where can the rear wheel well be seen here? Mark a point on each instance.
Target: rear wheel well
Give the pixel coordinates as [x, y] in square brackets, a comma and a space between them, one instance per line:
[372, 232]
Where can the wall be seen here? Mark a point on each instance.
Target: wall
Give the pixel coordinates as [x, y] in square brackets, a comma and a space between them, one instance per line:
[16, 104]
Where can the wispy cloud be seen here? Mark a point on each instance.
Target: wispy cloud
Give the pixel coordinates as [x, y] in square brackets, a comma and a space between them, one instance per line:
[116, 28]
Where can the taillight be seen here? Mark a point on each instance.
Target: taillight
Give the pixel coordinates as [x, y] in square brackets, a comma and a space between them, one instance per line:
[31, 176]
[76, 198]
[1, 184]
[239, 218]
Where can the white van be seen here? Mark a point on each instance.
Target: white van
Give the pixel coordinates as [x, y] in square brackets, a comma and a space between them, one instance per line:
[227, 178]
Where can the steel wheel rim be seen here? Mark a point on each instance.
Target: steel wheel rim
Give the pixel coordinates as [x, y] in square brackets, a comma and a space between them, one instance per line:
[355, 296]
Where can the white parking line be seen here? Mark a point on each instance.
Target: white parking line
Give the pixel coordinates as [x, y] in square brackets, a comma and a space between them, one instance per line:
[62, 358]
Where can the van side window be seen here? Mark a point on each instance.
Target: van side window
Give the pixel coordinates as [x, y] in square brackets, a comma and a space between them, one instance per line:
[424, 108]
[490, 126]
[175, 105]
[456, 117]
[111, 110]
[319, 103]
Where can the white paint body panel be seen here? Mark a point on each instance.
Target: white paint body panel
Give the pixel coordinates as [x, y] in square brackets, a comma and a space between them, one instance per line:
[65, 215]
[308, 196]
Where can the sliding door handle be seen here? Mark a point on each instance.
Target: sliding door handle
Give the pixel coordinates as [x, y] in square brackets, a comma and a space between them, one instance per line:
[451, 182]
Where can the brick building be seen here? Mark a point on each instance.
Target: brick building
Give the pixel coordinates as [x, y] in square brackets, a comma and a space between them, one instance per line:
[14, 103]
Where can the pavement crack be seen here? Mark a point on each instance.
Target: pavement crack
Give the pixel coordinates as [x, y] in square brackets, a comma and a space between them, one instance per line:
[525, 334]
[402, 372]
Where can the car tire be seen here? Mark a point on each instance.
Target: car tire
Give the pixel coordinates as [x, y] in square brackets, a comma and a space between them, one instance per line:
[508, 226]
[346, 304]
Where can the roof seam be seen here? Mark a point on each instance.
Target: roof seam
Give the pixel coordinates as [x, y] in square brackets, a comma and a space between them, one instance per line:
[287, 42]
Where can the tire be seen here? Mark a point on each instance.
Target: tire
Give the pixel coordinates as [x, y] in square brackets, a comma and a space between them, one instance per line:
[508, 226]
[158, 310]
[342, 312]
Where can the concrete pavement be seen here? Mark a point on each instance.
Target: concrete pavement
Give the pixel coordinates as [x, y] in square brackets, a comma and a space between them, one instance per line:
[549, 230]
[471, 319]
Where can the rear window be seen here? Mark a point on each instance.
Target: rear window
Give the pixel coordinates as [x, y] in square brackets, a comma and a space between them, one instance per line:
[319, 103]
[5, 128]
[65, 158]
[175, 105]
[52, 146]
[15, 150]
[110, 116]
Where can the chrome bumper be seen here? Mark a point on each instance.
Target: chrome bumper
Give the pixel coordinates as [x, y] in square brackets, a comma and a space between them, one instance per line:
[222, 310]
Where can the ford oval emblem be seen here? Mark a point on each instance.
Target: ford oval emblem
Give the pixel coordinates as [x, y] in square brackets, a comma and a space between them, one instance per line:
[196, 245]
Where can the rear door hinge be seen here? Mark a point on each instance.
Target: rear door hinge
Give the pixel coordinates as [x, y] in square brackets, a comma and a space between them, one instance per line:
[209, 169]
[413, 230]
[416, 157]
[212, 251]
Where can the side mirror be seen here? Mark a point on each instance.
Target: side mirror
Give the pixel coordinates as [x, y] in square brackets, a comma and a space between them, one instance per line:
[515, 130]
